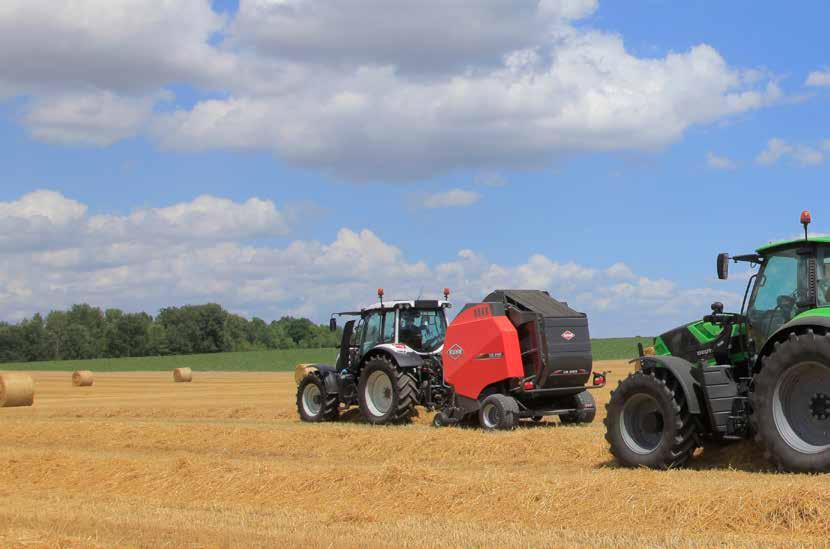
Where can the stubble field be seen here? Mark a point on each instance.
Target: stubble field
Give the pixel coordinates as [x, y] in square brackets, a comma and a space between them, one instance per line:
[137, 460]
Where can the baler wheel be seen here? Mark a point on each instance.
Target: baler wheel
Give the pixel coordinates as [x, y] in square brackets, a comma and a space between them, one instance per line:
[313, 403]
[586, 409]
[499, 412]
[386, 393]
[791, 403]
[648, 423]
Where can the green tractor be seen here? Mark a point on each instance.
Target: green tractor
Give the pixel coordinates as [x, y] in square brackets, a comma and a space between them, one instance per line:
[762, 373]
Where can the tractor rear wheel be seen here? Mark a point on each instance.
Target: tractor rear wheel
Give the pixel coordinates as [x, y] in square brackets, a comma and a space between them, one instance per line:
[499, 413]
[791, 403]
[386, 393]
[648, 423]
[586, 409]
[313, 403]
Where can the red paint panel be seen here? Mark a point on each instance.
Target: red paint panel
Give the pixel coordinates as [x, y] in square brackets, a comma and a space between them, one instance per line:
[474, 341]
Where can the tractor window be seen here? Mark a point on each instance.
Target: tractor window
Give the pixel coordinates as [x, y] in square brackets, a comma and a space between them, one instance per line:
[371, 334]
[823, 277]
[389, 327]
[781, 284]
[422, 330]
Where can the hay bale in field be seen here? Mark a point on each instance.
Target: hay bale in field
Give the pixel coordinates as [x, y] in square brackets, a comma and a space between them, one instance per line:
[302, 370]
[82, 378]
[182, 375]
[16, 390]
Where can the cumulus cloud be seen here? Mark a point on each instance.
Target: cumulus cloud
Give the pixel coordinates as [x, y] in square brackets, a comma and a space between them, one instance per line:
[118, 45]
[818, 78]
[804, 155]
[717, 162]
[208, 250]
[451, 199]
[47, 220]
[97, 118]
[447, 36]
[368, 89]
[585, 94]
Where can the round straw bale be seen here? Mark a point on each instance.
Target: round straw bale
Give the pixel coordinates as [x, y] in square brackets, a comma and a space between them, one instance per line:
[82, 378]
[16, 390]
[302, 370]
[182, 375]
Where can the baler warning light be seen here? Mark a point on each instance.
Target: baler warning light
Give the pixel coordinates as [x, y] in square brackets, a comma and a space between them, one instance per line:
[806, 219]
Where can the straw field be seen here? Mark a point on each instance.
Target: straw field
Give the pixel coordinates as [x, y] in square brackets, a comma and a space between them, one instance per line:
[138, 460]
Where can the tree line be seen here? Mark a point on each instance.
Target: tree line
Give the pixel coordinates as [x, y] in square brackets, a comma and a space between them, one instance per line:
[85, 332]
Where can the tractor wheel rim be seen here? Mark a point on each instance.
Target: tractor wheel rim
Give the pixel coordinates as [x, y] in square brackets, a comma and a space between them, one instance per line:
[379, 393]
[641, 424]
[312, 399]
[490, 415]
[800, 407]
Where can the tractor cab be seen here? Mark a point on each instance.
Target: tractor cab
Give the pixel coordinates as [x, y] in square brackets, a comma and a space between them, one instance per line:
[793, 279]
[403, 327]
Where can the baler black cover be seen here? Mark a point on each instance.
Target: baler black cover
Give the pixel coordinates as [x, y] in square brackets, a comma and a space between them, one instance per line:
[566, 349]
[533, 300]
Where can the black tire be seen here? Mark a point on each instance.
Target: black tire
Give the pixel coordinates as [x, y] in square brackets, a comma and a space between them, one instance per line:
[314, 404]
[791, 404]
[586, 409]
[498, 413]
[648, 423]
[395, 392]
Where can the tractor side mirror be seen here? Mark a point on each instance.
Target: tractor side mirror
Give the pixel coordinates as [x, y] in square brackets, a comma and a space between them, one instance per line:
[723, 266]
[333, 324]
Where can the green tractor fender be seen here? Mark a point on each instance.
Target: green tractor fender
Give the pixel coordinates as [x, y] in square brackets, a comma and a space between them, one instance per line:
[815, 319]
[682, 371]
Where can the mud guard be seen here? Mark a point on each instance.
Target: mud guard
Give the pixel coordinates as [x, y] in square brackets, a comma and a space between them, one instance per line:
[796, 325]
[682, 371]
[326, 373]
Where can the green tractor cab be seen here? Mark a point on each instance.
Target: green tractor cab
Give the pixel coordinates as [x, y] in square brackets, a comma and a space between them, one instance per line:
[763, 372]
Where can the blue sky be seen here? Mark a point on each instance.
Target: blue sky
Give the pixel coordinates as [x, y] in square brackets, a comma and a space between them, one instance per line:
[623, 168]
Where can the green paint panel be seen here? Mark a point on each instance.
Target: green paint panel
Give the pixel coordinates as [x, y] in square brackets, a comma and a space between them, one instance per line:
[783, 243]
[821, 311]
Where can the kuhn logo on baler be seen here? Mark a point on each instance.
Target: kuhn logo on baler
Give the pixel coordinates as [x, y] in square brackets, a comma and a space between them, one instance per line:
[455, 352]
[568, 335]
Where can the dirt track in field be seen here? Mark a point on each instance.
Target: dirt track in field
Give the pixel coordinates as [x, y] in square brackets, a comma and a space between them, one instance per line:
[137, 460]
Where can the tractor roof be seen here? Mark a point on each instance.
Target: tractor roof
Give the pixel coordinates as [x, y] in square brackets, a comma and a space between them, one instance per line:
[413, 303]
[772, 246]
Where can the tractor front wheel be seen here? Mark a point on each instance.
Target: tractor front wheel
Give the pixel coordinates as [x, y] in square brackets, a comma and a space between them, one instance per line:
[791, 403]
[648, 423]
[313, 403]
[386, 393]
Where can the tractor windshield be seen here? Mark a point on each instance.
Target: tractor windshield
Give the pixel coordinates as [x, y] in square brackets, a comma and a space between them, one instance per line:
[780, 287]
[423, 330]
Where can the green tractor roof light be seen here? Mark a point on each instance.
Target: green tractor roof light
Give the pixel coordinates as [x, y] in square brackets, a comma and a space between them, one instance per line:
[762, 371]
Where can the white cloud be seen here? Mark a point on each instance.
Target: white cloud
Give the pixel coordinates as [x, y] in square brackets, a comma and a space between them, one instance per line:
[805, 155]
[118, 45]
[98, 118]
[368, 89]
[450, 199]
[720, 162]
[447, 36]
[818, 78]
[47, 220]
[583, 93]
[191, 260]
